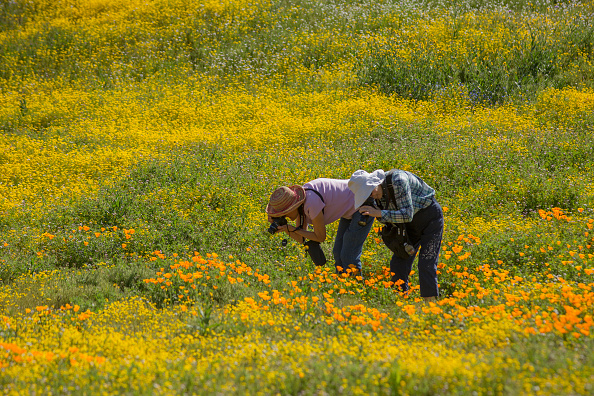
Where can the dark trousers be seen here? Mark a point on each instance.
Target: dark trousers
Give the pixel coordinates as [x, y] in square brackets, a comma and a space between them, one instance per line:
[424, 231]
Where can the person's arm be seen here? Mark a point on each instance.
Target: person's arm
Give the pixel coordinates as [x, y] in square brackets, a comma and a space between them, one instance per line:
[291, 230]
[319, 229]
[299, 234]
[404, 203]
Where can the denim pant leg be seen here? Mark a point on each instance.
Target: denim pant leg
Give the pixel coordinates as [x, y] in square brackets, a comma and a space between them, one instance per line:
[350, 237]
[343, 225]
[425, 231]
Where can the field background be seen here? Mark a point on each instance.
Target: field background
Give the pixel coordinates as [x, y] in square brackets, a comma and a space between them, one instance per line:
[141, 140]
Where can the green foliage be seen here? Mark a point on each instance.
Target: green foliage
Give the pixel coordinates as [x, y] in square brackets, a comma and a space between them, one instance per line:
[203, 323]
[136, 232]
[521, 66]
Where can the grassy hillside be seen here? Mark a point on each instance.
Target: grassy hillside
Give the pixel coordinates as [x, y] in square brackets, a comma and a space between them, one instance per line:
[140, 142]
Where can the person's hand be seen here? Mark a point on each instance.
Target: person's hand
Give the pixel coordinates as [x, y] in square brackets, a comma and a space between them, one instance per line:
[370, 211]
[283, 228]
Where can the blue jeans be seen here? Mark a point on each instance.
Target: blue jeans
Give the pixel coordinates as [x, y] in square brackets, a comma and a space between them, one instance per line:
[425, 230]
[348, 244]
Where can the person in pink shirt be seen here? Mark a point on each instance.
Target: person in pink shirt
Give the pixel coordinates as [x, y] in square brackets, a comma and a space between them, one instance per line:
[318, 203]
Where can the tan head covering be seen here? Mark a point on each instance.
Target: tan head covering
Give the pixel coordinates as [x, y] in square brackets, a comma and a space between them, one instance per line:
[285, 199]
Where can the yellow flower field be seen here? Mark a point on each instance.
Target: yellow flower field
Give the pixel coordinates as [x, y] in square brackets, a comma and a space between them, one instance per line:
[140, 144]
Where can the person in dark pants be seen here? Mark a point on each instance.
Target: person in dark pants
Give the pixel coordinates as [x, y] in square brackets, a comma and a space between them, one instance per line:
[415, 206]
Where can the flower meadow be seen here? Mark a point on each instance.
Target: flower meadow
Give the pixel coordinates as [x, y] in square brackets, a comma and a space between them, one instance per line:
[140, 142]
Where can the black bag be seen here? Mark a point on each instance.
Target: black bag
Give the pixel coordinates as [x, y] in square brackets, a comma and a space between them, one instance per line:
[396, 239]
[394, 235]
[315, 252]
[313, 248]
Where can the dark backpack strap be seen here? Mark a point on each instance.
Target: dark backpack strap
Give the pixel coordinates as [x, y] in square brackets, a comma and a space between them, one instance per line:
[318, 194]
[390, 188]
[309, 244]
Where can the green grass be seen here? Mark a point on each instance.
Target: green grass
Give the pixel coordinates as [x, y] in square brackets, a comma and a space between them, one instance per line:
[193, 197]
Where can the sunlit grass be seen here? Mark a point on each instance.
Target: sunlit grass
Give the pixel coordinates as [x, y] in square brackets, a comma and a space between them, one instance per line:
[141, 140]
